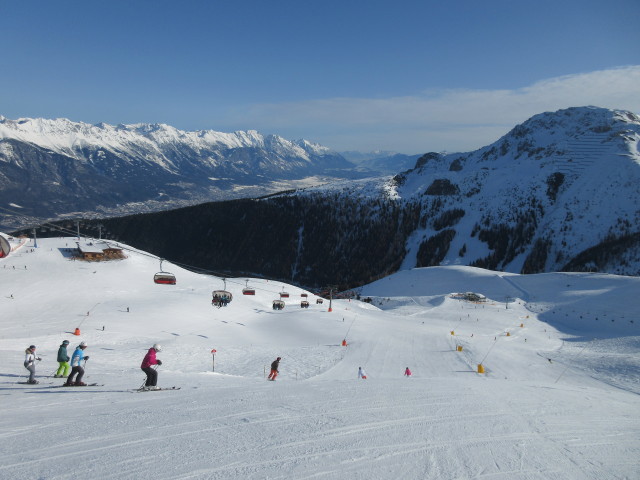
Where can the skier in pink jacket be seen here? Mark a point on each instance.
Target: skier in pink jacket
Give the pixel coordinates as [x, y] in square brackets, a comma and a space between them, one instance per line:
[149, 360]
[407, 372]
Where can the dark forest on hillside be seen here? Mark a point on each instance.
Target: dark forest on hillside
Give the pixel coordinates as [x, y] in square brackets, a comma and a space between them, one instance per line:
[304, 240]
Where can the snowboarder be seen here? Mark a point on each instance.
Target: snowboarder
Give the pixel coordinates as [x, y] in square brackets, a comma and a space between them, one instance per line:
[407, 372]
[77, 369]
[361, 373]
[29, 363]
[274, 369]
[63, 360]
[149, 360]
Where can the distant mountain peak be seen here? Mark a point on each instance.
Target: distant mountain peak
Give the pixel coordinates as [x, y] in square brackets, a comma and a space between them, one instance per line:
[560, 190]
[56, 165]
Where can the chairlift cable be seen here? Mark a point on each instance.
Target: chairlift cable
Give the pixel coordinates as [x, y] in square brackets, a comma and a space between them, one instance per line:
[73, 233]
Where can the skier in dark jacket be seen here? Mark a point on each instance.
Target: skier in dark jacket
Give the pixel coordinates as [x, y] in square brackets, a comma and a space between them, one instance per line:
[274, 369]
[149, 360]
[63, 360]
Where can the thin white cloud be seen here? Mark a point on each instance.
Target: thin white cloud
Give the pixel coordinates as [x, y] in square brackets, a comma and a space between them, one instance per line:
[455, 120]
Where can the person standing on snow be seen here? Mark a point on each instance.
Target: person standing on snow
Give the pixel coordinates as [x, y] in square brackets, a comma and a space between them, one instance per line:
[77, 369]
[407, 372]
[63, 360]
[149, 360]
[361, 373]
[274, 369]
[30, 363]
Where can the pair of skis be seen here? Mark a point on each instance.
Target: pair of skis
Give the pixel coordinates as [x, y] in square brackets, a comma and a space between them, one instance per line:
[63, 385]
[99, 385]
[80, 386]
[138, 390]
[156, 389]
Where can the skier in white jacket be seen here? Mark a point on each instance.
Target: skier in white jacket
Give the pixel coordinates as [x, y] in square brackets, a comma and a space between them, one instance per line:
[361, 373]
[30, 363]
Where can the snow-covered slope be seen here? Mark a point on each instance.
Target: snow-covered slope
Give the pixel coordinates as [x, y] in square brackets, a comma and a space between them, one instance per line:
[559, 398]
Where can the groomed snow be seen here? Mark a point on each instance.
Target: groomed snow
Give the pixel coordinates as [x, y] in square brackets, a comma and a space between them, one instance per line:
[559, 400]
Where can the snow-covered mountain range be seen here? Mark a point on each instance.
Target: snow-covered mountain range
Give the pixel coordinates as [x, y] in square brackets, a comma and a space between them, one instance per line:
[560, 192]
[54, 167]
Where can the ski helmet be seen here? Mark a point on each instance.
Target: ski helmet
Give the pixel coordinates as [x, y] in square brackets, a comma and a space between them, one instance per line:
[32, 347]
[157, 348]
[65, 342]
[83, 344]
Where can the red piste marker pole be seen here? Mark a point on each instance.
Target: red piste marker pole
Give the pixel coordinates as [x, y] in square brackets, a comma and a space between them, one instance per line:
[213, 354]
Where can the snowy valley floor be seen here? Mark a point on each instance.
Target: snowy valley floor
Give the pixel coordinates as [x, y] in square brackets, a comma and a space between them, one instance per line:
[560, 398]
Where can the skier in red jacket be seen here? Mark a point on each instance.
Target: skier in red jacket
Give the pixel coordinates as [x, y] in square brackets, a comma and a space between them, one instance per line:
[149, 360]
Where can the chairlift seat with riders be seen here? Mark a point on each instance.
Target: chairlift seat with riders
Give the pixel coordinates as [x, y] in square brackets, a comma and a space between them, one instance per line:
[319, 300]
[221, 298]
[278, 304]
[304, 304]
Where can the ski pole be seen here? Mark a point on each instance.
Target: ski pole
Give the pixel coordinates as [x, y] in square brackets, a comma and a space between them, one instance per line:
[144, 381]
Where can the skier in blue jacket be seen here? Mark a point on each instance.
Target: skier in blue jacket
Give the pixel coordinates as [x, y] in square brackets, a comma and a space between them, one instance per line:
[77, 357]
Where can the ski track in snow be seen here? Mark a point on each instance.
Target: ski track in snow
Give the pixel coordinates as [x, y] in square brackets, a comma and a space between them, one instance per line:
[574, 417]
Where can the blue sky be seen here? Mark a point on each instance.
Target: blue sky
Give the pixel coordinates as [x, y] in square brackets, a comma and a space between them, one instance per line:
[408, 76]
